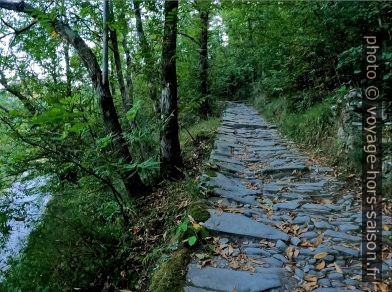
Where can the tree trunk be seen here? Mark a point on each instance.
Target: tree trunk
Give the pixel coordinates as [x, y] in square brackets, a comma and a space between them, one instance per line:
[147, 54]
[117, 61]
[68, 76]
[67, 70]
[203, 58]
[132, 181]
[128, 60]
[171, 159]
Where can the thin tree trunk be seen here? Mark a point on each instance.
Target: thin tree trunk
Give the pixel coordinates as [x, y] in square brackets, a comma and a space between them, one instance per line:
[128, 60]
[117, 61]
[171, 159]
[68, 70]
[147, 55]
[66, 55]
[132, 181]
[203, 58]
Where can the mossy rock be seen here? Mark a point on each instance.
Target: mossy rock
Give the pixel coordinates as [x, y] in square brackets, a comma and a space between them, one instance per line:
[171, 274]
[198, 210]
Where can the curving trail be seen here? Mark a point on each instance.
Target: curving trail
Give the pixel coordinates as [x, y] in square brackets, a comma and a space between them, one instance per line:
[282, 223]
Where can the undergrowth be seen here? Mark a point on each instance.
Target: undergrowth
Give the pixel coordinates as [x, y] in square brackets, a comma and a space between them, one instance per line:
[82, 243]
[314, 128]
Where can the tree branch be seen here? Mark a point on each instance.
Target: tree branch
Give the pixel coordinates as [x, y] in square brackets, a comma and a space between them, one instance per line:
[11, 89]
[189, 37]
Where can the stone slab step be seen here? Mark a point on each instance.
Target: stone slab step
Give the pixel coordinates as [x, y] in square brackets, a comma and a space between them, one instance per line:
[218, 279]
[240, 225]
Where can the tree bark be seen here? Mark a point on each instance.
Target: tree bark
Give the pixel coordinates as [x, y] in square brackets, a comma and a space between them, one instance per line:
[128, 60]
[203, 58]
[66, 55]
[132, 181]
[171, 160]
[68, 70]
[117, 61]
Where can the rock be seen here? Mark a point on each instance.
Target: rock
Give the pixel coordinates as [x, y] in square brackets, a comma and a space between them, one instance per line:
[280, 257]
[300, 274]
[323, 225]
[273, 262]
[242, 226]
[223, 240]
[315, 207]
[295, 241]
[341, 235]
[346, 250]
[256, 251]
[280, 245]
[351, 282]
[335, 276]
[336, 284]
[218, 279]
[309, 235]
[248, 213]
[301, 220]
[286, 206]
[324, 282]
[348, 227]
[312, 261]
[329, 258]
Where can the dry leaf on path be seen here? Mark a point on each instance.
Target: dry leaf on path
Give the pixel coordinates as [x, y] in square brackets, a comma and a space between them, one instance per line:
[380, 287]
[320, 265]
[320, 255]
[338, 269]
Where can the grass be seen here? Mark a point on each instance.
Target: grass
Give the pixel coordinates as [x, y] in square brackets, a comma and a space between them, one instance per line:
[82, 244]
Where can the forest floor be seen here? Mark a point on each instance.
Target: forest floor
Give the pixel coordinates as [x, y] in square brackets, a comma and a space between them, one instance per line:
[282, 221]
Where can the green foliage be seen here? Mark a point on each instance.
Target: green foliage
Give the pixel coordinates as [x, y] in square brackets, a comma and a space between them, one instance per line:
[81, 236]
[190, 232]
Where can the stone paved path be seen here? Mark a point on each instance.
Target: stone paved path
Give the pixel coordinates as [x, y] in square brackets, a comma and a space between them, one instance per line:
[280, 221]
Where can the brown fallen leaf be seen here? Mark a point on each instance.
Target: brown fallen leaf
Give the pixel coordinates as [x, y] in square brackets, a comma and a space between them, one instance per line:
[338, 269]
[320, 255]
[248, 268]
[234, 265]
[319, 240]
[320, 265]
[380, 287]
[310, 278]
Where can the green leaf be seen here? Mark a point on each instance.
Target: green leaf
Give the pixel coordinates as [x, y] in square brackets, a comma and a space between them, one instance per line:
[182, 228]
[192, 240]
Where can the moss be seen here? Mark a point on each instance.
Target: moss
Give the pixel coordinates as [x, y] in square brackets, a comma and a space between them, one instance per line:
[211, 173]
[170, 276]
[198, 210]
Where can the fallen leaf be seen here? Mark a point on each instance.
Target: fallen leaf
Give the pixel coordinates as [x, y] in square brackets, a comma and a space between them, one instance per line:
[382, 287]
[234, 265]
[248, 268]
[338, 269]
[320, 265]
[310, 278]
[320, 255]
[256, 261]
